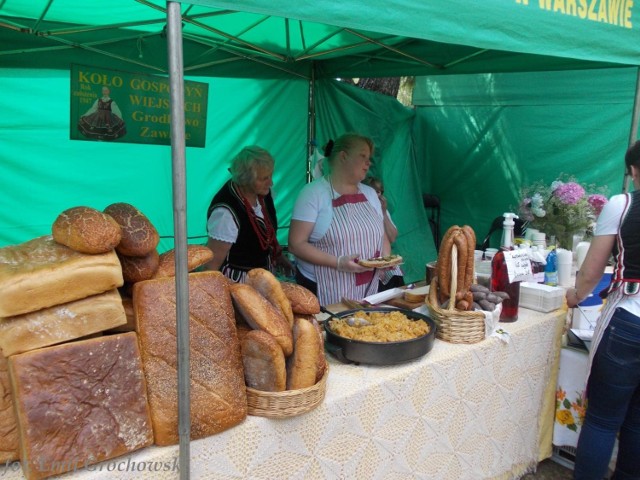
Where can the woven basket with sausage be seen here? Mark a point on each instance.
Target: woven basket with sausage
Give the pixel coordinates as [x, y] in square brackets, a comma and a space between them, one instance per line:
[455, 303]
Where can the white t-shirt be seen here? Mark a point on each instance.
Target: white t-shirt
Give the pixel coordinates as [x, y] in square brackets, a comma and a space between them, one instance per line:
[222, 224]
[608, 224]
[609, 219]
[314, 205]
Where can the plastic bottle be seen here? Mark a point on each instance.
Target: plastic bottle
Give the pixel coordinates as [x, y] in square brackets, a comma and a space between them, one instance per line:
[551, 269]
[500, 274]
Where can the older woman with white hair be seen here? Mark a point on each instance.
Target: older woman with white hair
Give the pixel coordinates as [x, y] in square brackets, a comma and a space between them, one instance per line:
[241, 219]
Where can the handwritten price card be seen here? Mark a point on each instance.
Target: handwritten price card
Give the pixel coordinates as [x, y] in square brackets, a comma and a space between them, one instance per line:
[518, 265]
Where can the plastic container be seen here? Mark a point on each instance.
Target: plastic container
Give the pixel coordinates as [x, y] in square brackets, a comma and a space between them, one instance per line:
[489, 253]
[539, 239]
[581, 252]
[539, 297]
[564, 266]
[483, 273]
[585, 317]
[551, 269]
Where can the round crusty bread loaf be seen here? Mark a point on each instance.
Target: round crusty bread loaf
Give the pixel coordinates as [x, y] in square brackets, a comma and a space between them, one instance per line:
[137, 269]
[302, 299]
[264, 363]
[197, 255]
[261, 315]
[139, 236]
[86, 230]
[302, 364]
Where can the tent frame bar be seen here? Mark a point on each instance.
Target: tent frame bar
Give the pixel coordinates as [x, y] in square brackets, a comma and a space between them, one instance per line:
[178, 160]
[394, 50]
[89, 48]
[311, 122]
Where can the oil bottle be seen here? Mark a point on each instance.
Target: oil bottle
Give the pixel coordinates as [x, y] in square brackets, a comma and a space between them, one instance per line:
[500, 274]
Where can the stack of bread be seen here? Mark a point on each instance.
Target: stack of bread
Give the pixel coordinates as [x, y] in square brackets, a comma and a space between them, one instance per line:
[281, 342]
[55, 293]
[76, 343]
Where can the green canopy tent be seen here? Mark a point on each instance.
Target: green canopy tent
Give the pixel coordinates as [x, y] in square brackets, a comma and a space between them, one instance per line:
[313, 41]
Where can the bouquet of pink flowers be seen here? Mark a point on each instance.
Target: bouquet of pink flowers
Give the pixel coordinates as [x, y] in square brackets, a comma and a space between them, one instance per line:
[563, 208]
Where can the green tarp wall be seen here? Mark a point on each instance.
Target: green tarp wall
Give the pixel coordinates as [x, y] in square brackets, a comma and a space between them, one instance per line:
[473, 140]
[482, 137]
[474, 153]
[42, 172]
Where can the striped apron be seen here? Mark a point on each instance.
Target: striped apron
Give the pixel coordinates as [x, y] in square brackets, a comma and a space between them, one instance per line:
[356, 228]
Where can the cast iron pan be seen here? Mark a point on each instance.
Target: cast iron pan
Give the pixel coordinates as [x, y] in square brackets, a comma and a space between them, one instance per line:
[378, 353]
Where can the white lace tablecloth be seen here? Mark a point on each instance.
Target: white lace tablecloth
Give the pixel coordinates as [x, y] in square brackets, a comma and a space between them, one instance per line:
[461, 412]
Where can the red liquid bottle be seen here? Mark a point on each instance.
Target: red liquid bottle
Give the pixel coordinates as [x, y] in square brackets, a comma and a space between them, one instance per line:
[500, 274]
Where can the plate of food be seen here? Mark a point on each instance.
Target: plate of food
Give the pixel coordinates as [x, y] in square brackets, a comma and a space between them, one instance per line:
[381, 262]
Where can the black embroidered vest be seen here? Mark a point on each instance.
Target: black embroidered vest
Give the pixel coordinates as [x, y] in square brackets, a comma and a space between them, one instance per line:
[246, 253]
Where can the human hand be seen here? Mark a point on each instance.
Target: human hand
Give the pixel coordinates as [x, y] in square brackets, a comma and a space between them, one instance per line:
[348, 263]
[572, 297]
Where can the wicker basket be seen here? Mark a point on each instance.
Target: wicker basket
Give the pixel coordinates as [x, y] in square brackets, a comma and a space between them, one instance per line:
[288, 403]
[454, 326]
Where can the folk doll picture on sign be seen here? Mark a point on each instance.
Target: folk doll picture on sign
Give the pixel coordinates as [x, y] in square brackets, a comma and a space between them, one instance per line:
[103, 121]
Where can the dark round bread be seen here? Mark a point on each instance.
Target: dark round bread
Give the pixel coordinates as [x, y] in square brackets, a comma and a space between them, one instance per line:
[86, 230]
[137, 269]
[139, 236]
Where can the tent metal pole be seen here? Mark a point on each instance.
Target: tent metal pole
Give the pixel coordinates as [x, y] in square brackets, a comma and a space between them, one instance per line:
[311, 121]
[178, 154]
[633, 133]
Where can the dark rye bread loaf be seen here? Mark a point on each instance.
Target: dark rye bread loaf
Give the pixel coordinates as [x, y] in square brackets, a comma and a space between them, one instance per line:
[218, 393]
[139, 236]
[79, 403]
[86, 230]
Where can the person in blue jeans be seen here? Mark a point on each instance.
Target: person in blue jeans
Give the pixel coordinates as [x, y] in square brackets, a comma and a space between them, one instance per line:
[613, 387]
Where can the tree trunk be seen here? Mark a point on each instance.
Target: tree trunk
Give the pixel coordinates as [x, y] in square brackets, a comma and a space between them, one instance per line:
[385, 85]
